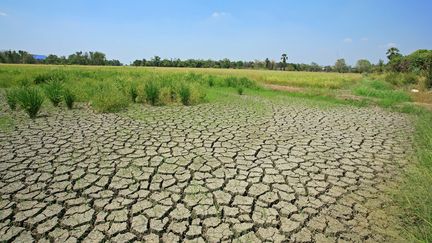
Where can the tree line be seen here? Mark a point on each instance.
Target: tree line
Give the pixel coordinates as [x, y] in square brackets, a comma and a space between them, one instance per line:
[77, 58]
[362, 66]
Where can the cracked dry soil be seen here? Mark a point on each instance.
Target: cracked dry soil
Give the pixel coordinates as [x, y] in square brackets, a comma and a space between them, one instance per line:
[207, 173]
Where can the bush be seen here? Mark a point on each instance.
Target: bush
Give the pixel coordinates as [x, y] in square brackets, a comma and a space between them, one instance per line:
[185, 94]
[400, 79]
[54, 91]
[133, 93]
[69, 98]
[30, 99]
[240, 90]
[12, 98]
[151, 90]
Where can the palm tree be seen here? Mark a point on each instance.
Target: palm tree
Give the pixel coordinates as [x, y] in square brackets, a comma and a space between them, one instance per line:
[392, 52]
[284, 58]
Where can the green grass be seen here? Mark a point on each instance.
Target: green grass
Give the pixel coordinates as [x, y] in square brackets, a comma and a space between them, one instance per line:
[414, 195]
[54, 91]
[383, 92]
[30, 100]
[69, 98]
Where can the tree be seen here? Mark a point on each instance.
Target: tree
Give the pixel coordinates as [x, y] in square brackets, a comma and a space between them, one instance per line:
[363, 66]
[267, 63]
[380, 66]
[284, 59]
[137, 63]
[392, 53]
[97, 58]
[340, 66]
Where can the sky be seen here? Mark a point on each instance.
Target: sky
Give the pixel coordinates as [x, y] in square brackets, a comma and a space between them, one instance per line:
[307, 31]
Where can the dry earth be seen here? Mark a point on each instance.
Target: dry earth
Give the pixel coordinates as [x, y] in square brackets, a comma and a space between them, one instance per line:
[212, 172]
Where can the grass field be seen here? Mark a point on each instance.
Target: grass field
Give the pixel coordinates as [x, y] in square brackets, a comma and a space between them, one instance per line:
[300, 79]
[112, 89]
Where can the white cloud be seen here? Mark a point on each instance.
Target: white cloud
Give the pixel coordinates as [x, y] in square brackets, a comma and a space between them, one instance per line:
[391, 44]
[3, 14]
[347, 40]
[219, 14]
[364, 39]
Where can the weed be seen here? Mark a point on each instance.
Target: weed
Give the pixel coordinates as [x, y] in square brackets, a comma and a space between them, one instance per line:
[151, 90]
[12, 98]
[30, 99]
[69, 98]
[54, 91]
[185, 94]
[133, 92]
[240, 90]
[106, 98]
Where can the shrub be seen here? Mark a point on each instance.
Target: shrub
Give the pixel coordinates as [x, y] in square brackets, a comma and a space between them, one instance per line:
[133, 93]
[30, 99]
[54, 91]
[12, 98]
[399, 79]
[151, 90]
[69, 98]
[240, 90]
[185, 94]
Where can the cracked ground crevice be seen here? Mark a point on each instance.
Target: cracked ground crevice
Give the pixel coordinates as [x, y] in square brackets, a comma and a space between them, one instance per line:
[211, 172]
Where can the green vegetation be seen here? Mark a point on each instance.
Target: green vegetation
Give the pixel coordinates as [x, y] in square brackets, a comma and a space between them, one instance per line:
[240, 90]
[385, 93]
[107, 98]
[414, 196]
[69, 98]
[12, 98]
[133, 92]
[54, 91]
[185, 94]
[30, 99]
[151, 90]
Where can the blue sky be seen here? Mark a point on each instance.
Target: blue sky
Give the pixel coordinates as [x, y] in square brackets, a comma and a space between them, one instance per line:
[308, 31]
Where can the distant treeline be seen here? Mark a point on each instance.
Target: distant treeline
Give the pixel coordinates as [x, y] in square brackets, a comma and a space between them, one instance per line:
[78, 58]
[340, 65]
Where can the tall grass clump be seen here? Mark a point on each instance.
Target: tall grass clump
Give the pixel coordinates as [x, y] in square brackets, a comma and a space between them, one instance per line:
[133, 92]
[30, 100]
[414, 196]
[240, 90]
[46, 77]
[185, 94]
[69, 98]
[12, 98]
[106, 98]
[54, 91]
[152, 90]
